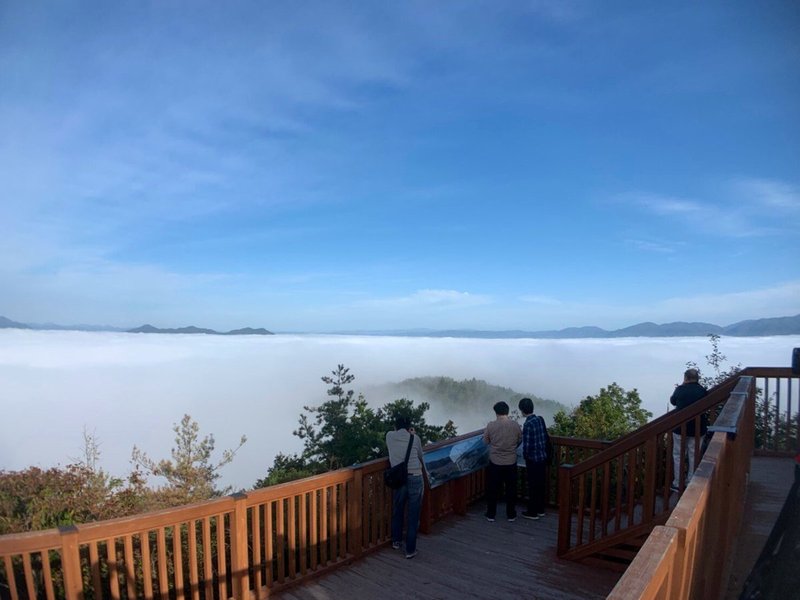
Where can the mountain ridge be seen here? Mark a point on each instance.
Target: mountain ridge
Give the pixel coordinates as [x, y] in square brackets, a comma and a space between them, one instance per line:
[788, 325]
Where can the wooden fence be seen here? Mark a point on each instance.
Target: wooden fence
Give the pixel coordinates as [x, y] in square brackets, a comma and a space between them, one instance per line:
[246, 545]
[622, 491]
[690, 556]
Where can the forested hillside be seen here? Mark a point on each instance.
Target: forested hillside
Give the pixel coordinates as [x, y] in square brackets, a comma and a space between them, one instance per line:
[467, 395]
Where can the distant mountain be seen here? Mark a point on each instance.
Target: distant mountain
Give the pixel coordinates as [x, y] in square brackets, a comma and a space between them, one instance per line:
[9, 324]
[774, 326]
[751, 328]
[249, 331]
[193, 329]
[6, 323]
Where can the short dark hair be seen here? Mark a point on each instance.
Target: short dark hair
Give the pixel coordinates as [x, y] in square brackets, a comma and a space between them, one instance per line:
[402, 422]
[526, 406]
[692, 375]
[501, 408]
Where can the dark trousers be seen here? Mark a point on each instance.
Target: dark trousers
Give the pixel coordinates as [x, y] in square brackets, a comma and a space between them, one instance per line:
[537, 483]
[498, 475]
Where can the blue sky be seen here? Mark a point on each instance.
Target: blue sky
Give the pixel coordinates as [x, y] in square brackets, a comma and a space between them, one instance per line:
[327, 166]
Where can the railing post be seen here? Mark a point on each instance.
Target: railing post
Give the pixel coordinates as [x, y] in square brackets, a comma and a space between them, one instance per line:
[71, 562]
[651, 466]
[239, 566]
[356, 511]
[426, 512]
[460, 496]
[564, 508]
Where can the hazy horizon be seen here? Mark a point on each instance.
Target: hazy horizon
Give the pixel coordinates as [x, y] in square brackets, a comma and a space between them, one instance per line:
[130, 389]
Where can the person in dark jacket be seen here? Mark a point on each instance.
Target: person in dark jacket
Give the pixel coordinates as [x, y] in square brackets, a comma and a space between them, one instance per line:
[686, 394]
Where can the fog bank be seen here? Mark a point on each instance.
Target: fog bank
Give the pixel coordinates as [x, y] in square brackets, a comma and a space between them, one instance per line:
[130, 388]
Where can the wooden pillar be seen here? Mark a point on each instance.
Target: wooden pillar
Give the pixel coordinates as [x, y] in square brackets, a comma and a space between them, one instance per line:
[71, 562]
[564, 508]
[239, 561]
[426, 514]
[356, 510]
[650, 465]
[460, 492]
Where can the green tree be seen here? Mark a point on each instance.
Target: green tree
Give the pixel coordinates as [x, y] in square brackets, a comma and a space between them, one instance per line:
[608, 415]
[345, 430]
[191, 474]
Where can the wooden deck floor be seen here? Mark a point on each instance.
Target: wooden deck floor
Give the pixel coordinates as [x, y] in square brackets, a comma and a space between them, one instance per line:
[467, 557]
[770, 481]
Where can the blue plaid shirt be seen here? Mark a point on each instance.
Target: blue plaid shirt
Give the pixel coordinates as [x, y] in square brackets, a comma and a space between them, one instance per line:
[534, 438]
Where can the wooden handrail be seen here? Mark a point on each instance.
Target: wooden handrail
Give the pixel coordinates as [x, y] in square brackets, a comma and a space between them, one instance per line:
[690, 557]
[629, 482]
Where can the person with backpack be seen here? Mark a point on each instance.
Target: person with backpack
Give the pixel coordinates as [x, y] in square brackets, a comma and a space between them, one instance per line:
[405, 446]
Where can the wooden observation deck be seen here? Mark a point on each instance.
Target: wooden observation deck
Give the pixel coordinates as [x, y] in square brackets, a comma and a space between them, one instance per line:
[614, 530]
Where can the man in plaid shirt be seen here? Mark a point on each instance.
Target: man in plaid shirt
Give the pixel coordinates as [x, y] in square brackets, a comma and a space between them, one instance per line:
[534, 450]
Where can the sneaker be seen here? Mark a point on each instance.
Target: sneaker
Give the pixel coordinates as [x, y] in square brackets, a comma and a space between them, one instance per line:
[395, 545]
[411, 554]
[512, 519]
[531, 516]
[490, 519]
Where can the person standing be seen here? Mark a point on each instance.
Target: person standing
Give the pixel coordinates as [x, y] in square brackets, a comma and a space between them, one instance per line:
[534, 451]
[502, 436]
[686, 394]
[410, 494]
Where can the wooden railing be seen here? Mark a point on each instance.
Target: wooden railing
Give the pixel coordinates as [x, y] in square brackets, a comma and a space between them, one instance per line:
[625, 489]
[243, 546]
[777, 420]
[690, 556]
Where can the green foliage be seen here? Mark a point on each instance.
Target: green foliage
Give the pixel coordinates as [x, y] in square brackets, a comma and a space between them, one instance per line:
[344, 431]
[35, 498]
[287, 467]
[608, 415]
[715, 360]
[467, 394]
[190, 474]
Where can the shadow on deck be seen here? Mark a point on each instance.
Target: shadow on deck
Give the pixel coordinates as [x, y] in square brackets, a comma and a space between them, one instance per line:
[467, 557]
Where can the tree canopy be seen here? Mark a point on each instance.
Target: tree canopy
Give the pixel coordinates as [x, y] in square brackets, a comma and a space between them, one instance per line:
[613, 412]
[345, 430]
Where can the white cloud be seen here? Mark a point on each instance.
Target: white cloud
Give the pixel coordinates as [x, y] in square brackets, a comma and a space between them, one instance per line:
[770, 194]
[742, 208]
[431, 298]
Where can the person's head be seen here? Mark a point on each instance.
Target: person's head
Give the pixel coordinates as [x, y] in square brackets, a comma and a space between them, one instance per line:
[526, 406]
[402, 422]
[691, 376]
[501, 408]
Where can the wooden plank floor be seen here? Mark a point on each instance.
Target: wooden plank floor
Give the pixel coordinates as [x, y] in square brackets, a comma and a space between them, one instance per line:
[467, 557]
[770, 482]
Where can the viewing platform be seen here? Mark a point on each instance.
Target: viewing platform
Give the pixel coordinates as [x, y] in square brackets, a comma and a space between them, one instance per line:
[614, 529]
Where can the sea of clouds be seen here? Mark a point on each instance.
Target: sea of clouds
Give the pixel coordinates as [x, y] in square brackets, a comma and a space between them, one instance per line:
[131, 388]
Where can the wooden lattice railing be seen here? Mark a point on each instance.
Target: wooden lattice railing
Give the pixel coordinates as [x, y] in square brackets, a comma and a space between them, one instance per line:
[243, 546]
[623, 490]
[690, 557]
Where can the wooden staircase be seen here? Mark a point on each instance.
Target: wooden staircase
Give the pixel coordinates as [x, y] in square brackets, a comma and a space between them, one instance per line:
[610, 502]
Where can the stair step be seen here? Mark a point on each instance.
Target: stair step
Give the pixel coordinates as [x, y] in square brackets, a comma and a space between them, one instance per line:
[597, 561]
[622, 553]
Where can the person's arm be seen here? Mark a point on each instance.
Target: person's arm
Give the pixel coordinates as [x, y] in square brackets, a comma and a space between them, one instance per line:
[672, 399]
[486, 439]
[525, 440]
[420, 455]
